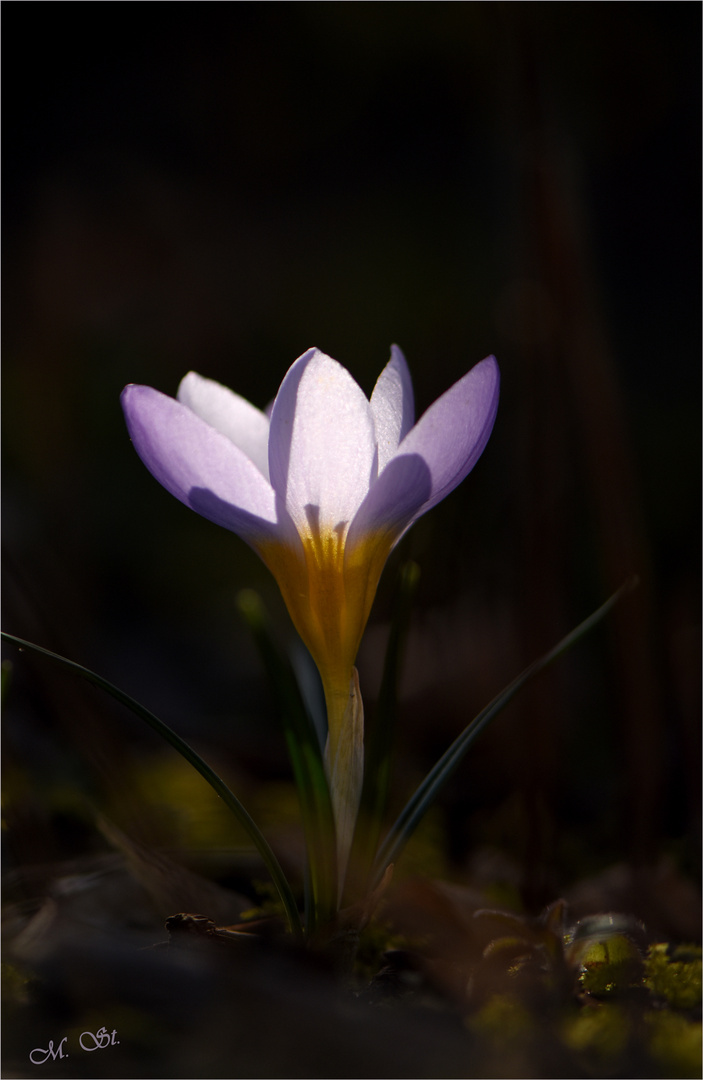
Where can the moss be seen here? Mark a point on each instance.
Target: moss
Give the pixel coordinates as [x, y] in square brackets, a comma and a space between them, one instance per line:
[375, 939]
[425, 853]
[598, 1030]
[675, 1043]
[16, 985]
[196, 818]
[674, 975]
[269, 905]
[502, 1017]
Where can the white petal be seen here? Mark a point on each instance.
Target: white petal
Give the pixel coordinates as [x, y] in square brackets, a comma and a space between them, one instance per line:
[322, 447]
[243, 424]
[393, 406]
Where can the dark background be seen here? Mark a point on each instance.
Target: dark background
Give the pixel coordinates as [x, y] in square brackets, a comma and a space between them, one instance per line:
[220, 186]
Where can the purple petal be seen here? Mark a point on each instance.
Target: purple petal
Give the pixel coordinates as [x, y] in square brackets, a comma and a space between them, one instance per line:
[392, 502]
[243, 424]
[199, 465]
[393, 406]
[322, 446]
[434, 457]
[452, 434]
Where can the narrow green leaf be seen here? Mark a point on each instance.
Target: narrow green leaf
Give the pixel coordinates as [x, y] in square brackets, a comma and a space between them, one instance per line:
[186, 751]
[430, 787]
[380, 733]
[306, 760]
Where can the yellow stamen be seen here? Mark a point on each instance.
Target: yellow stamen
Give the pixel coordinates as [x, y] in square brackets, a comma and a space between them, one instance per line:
[328, 588]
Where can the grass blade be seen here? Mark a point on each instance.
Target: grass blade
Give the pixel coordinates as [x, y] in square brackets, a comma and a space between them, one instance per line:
[380, 733]
[430, 787]
[308, 769]
[186, 751]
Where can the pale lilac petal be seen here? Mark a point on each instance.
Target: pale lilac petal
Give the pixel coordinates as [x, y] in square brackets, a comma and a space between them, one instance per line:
[322, 447]
[451, 435]
[392, 406]
[434, 457]
[243, 424]
[392, 503]
[200, 465]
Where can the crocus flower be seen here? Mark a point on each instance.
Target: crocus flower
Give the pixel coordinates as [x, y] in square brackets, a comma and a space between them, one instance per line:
[322, 490]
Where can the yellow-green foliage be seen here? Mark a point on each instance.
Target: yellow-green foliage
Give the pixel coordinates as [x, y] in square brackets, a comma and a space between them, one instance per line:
[196, 817]
[375, 939]
[15, 985]
[675, 1042]
[502, 1017]
[630, 1012]
[675, 975]
[425, 852]
[601, 1031]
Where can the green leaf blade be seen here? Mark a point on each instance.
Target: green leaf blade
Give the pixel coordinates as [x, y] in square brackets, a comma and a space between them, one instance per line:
[379, 735]
[216, 783]
[429, 789]
[306, 760]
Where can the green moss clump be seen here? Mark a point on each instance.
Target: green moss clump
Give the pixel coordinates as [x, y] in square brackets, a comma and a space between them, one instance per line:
[15, 985]
[375, 939]
[600, 1031]
[675, 1042]
[674, 975]
[502, 1017]
[269, 905]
